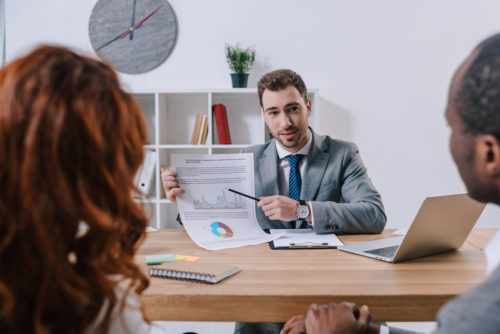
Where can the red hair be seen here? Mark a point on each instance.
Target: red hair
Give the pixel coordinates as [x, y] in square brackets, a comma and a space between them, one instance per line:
[71, 141]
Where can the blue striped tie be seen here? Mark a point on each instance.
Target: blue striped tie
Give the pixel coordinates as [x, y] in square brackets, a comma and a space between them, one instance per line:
[295, 180]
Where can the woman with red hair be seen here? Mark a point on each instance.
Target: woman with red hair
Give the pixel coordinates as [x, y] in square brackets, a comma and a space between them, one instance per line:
[71, 141]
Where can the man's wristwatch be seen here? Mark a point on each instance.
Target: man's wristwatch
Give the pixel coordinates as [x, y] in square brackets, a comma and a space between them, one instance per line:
[302, 210]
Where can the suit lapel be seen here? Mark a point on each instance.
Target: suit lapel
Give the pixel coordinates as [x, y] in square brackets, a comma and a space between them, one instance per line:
[317, 161]
[268, 164]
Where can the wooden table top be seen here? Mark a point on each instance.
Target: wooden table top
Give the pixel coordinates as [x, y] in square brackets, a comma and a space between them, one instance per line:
[276, 284]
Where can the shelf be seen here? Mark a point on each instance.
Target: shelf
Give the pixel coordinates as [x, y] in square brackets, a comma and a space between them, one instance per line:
[164, 201]
[177, 116]
[170, 117]
[141, 200]
[196, 146]
[232, 146]
[182, 146]
[153, 201]
[197, 91]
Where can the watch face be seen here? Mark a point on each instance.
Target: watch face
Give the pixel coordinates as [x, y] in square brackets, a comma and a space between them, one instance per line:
[134, 36]
[302, 211]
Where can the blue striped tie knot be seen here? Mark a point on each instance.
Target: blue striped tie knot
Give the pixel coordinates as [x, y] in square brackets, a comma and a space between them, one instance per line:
[295, 180]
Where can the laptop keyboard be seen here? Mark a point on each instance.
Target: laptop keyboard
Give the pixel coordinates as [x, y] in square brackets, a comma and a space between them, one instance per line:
[385, 251]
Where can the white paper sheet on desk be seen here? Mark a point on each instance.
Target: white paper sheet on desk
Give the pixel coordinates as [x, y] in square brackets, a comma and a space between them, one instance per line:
[304, 237]
[213, 217]
[401, 231]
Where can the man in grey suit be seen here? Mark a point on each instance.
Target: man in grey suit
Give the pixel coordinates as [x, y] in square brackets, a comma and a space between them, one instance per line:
[473, 114]
[304, 179]
[334, 191]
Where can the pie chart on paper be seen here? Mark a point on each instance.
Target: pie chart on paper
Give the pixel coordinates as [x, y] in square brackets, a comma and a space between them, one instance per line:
[221, 230]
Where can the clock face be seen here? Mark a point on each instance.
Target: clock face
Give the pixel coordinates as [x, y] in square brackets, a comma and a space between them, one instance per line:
[134, 36]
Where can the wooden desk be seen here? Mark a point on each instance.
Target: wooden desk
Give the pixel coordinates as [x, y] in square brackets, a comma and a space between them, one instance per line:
[274, 285]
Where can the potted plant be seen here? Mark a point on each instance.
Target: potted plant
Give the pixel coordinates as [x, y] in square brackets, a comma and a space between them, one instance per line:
[240, 60]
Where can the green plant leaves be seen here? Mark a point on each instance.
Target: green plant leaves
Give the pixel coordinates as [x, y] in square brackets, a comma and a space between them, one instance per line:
[240, 60]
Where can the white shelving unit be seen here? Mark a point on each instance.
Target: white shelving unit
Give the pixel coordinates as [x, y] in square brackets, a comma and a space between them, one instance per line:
[170, 118]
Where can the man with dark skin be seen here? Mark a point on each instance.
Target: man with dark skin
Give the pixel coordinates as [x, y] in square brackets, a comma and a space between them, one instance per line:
[473, 115]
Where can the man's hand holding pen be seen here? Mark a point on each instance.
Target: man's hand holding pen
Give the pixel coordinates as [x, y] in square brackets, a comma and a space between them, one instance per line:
[277, 207]
[280, 207]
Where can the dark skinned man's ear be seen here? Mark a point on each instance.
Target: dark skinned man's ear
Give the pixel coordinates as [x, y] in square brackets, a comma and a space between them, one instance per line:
[488, 151]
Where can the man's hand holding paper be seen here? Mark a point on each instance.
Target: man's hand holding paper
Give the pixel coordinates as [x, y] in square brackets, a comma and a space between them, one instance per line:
[172, 189]
[214, 217]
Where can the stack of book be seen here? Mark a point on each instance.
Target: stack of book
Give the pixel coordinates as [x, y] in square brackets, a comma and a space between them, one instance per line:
[200, 130]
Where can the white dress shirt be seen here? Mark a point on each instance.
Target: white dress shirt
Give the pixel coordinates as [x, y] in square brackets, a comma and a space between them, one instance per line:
[128, 320]
[284, 167]
[492, 253]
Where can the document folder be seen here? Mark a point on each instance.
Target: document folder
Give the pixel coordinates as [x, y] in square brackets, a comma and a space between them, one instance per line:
[301, 246]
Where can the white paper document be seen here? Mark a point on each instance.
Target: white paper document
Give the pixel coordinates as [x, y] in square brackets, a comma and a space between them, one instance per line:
[304, 238]
[213, 217]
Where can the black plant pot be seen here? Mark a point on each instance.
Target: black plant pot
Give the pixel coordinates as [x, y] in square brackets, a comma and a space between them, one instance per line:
[240, 80]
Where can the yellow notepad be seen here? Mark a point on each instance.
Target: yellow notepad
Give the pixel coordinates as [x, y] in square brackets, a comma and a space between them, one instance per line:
[194, 271]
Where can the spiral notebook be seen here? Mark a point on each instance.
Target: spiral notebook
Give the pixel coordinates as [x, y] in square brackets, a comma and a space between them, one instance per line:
[194, 271]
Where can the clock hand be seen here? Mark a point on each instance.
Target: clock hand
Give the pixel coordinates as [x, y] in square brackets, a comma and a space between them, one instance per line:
[136, 26]
[108, 42]
[141, 21]
[133, 20]
[120, 36]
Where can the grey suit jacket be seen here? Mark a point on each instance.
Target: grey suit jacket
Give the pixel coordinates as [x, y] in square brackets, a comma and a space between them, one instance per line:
[335, 181]
[477, 311]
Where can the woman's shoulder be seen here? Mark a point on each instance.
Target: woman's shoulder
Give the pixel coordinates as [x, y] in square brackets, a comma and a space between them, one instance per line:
[129, 318]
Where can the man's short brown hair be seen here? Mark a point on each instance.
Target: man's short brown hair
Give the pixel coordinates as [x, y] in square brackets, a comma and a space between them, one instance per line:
[280, 79]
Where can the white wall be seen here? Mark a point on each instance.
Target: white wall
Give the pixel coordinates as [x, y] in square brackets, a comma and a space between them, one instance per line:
[382, 69]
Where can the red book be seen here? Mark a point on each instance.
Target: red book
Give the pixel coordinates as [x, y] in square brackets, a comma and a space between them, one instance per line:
[219, 111]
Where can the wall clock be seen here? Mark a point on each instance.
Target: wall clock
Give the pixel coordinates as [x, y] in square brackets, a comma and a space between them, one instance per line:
[134, 36]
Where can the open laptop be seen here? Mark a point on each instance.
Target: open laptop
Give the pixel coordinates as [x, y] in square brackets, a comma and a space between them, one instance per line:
[442, 224]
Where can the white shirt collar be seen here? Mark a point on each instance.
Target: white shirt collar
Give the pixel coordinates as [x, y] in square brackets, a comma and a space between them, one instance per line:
[282, 153]
[492, 253]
